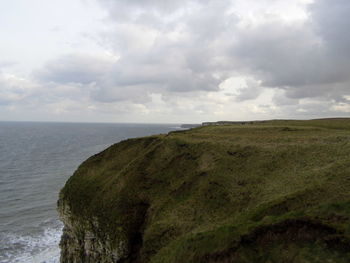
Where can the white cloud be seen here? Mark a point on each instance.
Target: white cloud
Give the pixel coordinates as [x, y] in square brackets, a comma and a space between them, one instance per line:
[183, 60]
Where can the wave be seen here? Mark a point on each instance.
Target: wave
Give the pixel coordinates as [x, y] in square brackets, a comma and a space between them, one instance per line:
[42, 248]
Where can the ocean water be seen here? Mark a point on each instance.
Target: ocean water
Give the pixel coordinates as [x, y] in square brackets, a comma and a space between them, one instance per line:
[36, 159]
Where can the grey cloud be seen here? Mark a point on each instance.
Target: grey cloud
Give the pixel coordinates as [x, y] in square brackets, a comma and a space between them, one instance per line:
[176, 65]
[335, 91]
[250, 91]
[135, 94]
[332, 23]
[79, 68]
[180, 47]
[135, 82]
[280, 99]
[309, 60]
[281, 55]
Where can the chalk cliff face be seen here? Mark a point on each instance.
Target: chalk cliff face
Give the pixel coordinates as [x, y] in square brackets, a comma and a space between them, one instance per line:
[268, 192]
[82, 240]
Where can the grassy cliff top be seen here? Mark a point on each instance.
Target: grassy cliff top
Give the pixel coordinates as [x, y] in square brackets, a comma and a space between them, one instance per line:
[277, 191]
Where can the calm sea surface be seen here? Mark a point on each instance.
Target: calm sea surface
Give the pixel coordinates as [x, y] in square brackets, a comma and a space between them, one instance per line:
[35, 161]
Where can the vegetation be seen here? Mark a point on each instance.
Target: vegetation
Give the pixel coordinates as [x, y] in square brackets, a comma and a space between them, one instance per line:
[275, 191]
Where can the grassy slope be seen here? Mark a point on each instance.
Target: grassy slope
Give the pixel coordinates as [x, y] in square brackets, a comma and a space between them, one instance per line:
[272, 192]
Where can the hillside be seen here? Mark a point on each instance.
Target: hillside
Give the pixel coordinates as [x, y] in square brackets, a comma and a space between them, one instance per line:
[277, 191]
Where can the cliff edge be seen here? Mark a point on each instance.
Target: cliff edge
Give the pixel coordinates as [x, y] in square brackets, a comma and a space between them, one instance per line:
[276, 191]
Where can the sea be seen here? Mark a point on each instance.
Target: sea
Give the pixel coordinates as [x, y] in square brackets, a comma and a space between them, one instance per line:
[36, 159]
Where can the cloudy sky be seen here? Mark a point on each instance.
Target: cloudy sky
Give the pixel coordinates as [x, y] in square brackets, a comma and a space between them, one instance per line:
[166, 61]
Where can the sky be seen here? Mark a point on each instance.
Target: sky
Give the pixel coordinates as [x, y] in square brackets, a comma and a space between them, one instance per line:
[165, 61]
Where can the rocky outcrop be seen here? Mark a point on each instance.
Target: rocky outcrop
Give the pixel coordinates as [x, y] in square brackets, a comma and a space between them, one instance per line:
[83, 242]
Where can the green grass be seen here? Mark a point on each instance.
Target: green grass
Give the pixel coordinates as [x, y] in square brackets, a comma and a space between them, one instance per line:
[277, 191]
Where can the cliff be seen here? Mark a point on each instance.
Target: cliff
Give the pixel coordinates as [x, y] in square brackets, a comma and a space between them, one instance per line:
[271, 192]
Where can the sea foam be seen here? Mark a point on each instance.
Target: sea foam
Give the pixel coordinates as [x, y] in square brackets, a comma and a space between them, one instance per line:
[41, 248]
